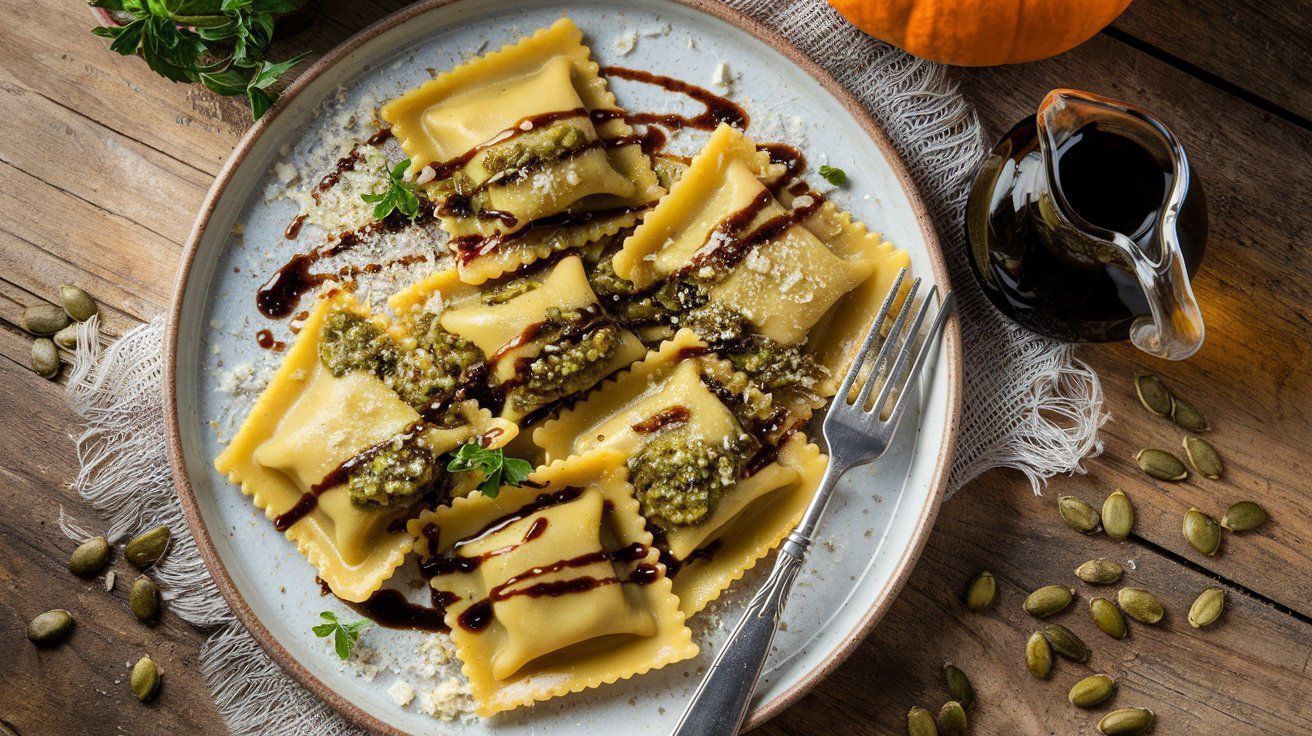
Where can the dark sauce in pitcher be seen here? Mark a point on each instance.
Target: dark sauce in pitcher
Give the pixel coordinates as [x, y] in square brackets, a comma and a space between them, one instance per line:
[1047, 274]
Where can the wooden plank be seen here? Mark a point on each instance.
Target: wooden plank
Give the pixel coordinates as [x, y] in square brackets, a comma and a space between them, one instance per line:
[1246, 674]
[1262, 48]
[80, 687]
[1252, 375]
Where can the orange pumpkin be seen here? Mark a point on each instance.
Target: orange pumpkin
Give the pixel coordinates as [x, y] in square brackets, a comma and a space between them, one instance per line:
[982, 32]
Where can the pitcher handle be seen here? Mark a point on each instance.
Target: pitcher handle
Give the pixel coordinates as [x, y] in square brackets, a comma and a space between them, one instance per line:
[1174, 329]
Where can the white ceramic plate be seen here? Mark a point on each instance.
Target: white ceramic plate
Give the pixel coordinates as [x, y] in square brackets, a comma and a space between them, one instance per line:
[878, 519]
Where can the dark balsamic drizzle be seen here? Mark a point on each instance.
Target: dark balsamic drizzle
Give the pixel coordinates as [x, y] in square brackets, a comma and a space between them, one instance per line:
[390, 608]
[294, 229]
[670, 415]
[264, 338]
[718, 109]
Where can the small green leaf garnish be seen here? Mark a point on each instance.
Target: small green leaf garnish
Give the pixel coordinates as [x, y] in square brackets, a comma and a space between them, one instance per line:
[498, 470]
[344, 635]
[833, 175]
[218, 43]
[400, 195]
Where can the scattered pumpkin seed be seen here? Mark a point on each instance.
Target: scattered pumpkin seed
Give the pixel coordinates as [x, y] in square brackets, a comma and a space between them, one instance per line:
[1101, 571]
[1201, 532]
[145, 679]
[1140, 605]
[1161, 465]
[1126, 722]
[959, 686]
[89, 557]
[1038, 655]
[920, 722]
[1048, 600]
[77, 303]
[982, 591]
[1153, 394]
[67, 338]
[1092, 691]
[1203, 457]
[952, 719]
[146, 548]
[44, 319]
[45, 357]
[1185, 415]
[1108, 618]
[144, 599]
[1207, 608]
[1244, 516]
[1117, 515]
[50, 628]
[1066, 643]
[1079, 515]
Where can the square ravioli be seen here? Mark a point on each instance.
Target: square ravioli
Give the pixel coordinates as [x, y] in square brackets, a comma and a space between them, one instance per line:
[334, 454]
[540, 334]
[717, 487]
[776, 278]
[551, 587]
[525, 153]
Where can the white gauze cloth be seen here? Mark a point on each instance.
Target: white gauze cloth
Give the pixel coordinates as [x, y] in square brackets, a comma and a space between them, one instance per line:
[1029, 403]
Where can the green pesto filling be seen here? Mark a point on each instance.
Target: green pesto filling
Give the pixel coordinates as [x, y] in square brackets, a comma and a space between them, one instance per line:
[678, 479]
[566, 365]
[771, 365]
[507, 291]
[349, 342]
[397, 474]
[511, 159]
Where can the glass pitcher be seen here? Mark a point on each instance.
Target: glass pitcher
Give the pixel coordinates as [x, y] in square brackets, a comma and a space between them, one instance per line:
[1086, 223]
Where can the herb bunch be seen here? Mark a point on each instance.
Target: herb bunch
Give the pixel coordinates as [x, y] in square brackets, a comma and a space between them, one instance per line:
[344, 635]
[498, 470]
[217, 43]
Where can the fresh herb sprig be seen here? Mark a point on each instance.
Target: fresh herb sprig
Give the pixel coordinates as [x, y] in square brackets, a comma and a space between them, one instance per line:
[399, 196]
[344, 636]
[217, 43]
[498, 470]
[833, 175]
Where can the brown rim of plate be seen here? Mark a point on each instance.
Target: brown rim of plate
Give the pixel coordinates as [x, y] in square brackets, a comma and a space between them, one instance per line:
[951, 348]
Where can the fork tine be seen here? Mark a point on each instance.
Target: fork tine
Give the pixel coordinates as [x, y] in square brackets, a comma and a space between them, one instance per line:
[931, 341]
[859, 359]
[890, 344]
[898, 371]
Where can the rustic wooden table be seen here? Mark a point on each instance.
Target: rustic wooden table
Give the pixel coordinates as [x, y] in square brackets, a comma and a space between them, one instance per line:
[103, 165]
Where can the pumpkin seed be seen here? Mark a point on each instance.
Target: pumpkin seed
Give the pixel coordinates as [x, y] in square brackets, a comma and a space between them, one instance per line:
[145, 679]
[1092, 691]
[1101, 571]
[982, 591]
[1201, 532]
[1153, 394]
[1161, 465]
[1207, 608]
[1079, 515]
[1185, 415]
[952, 719]
[146, 548]
[1126, 722]
[44, 319]
[79, 304]
[1203, 457]
[1117, 515]
[89, 557]
[1038, 655]
[1048, 600]
[45, 357]
[1244, 516]
[1066, 643]
[50, 628]
[920, 722]
[959, 686]
[67, 338]
[1108, 618]
[1140, 605]
[144, 599]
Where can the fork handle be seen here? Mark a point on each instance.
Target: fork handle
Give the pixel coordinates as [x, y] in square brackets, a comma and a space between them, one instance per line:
[720, 703]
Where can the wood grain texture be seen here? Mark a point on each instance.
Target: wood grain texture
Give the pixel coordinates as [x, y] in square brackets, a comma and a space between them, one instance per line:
[104, 164]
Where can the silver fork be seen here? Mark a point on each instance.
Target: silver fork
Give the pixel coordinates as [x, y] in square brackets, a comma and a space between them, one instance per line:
[856, 435]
